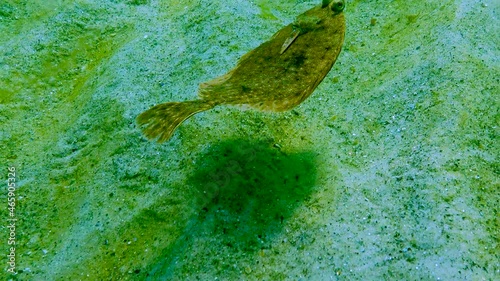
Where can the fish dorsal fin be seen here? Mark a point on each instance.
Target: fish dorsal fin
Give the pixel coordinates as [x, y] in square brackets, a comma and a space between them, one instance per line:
[244, 57]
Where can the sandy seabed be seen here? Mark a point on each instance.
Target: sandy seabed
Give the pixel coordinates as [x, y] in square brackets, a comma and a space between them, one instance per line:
[389, 171]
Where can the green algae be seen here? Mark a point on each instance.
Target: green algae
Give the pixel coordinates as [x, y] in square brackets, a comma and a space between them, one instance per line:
[265, 10]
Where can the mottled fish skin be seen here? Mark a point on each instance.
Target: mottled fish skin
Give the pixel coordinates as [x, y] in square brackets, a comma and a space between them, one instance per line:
[276, 76]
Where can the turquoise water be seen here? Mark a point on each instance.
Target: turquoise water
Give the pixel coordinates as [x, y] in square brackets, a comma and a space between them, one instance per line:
[388, 171]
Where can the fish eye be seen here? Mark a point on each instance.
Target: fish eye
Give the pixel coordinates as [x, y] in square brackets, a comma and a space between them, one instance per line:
[338, 6]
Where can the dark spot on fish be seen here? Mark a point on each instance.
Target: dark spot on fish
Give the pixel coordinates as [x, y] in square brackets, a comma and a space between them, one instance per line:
[245, 89]
[298, 60]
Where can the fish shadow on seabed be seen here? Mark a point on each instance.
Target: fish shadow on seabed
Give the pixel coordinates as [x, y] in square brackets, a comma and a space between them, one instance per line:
[247, 191]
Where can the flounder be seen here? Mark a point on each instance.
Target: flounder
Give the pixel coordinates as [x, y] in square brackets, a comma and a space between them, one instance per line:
[276, 76]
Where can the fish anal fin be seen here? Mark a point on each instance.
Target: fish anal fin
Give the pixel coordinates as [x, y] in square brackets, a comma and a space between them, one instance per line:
[206, 88]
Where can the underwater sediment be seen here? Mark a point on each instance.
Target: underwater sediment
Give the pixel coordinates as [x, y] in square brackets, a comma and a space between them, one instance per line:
[389, 170]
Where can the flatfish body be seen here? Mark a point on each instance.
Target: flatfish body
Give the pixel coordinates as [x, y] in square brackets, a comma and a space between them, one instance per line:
[276, 76]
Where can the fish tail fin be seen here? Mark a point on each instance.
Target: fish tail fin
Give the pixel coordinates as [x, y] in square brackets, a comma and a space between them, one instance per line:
[160, 121]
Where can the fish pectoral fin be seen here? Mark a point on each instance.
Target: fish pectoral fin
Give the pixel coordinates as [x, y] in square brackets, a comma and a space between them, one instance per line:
[288, 41]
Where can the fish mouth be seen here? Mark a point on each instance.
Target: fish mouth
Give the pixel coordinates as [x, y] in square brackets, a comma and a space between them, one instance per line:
[325, 3]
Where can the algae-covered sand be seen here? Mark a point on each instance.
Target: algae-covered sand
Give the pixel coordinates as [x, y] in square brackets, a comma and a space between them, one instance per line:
[389, 171]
